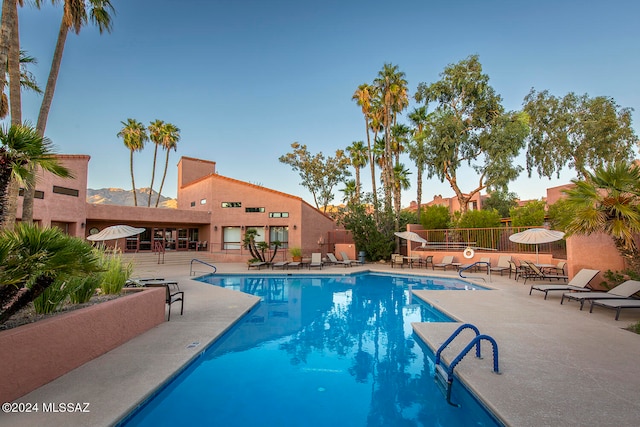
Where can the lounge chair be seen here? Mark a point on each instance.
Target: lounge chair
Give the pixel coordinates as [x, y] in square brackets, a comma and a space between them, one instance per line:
[535, 273]
[345, 257]
[296, 264]
[503, 265]
[279, 264]
[170, 298]
[397, 259]
[334, 260]
[316, 260]
[446, 262]
[617, 304]
[579, 283]
[257, 265]
[622, 291]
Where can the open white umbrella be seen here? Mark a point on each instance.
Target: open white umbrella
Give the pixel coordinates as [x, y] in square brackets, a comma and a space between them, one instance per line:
[115, 232]
[536, 236]
[410, 236]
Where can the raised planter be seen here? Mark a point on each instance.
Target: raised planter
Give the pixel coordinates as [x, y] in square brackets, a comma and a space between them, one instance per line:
[33, 355]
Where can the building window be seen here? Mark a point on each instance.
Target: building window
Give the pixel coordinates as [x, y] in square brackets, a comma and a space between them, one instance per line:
[203, 201]
[278, 214]
[66, 191]
[193, 204]
[232, 238]
[231, 204]
[251, 210]
[37, 194]
[281, 234]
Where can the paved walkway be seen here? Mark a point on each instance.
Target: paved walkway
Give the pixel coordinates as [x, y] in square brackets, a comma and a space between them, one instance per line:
[560, 366]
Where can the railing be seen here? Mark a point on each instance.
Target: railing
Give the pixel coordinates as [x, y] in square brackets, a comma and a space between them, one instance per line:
[444, 378]
[475, 264]
[192, 271]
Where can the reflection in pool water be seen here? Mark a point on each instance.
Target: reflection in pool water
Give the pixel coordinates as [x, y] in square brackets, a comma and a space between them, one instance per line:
[318, 351]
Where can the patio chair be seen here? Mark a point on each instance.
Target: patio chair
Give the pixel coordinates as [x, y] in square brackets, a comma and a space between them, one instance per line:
[503, 264]
[622, 291]
[397, 259]
[257, 265]
[536, 273]
[485, 267]
[516, 270]
[345, 257]
[170, 298]
[316, 260]
[428, 260]
[334, 260]
[579, 283]
[617, 304]
[279, 264]
[297, 264]
[446, 262]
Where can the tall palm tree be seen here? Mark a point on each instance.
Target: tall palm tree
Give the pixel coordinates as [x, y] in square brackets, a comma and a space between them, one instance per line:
[350, 192]
[20, 147]
[170, 139]
[27, 81]
[393, 95]
[134, 135]
[608, 201]
[155, 135]
[364, 96]
[76, 13]
[418, 118]
[359, 159]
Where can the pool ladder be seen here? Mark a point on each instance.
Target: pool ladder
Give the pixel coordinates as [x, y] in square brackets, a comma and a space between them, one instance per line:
[444, 376]
[192, 271]
[468, 267]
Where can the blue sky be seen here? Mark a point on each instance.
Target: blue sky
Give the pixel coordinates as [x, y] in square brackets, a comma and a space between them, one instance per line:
[243, 79]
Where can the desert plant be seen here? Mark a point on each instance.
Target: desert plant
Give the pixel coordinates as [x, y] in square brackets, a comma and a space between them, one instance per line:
[115, 274]
[295, 252]
[83, 288]
[52, 298]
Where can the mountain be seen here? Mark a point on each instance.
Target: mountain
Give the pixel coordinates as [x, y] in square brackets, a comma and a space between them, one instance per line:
[118, 196]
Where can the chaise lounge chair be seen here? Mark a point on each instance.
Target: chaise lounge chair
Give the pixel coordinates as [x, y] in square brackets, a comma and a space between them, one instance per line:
[579, 283]
[316, 260]
[446, 262]
[279, 264]
[617, 304]
[257, 265]
[622, 291]
[346, 258]
[334, 260]
[503, 265]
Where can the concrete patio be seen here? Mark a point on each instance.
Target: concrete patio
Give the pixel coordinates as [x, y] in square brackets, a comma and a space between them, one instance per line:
[559, 365]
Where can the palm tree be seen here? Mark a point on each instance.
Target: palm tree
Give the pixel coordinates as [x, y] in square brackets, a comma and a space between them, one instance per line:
[418, 118]
[608, 201]
[134, 135]
[22, 146]
[155, 135]
[75, 15]
[27, 81]
[350, 191]
[33, 258]
[363, 96]
[170, 138]
[359, 158]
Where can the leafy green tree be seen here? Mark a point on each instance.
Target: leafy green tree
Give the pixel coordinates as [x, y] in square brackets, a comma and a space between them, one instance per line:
[374, 238]
[435, 217]
[319, 174]
[502, 201]
[576, 131]
[469, 125]
[32, 258]
[134, 135]
[359, 159]
[170, 136]
[479, 219]
[608, 201]
[559, 214]
[22, 147]
[530, 215]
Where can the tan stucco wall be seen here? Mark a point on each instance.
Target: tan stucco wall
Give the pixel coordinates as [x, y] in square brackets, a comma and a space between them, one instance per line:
[35, 354]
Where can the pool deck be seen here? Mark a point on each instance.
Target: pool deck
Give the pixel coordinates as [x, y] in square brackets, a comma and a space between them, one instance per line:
[559, 366]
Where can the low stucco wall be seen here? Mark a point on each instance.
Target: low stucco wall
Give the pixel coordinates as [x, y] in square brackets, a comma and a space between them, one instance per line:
[35, 354]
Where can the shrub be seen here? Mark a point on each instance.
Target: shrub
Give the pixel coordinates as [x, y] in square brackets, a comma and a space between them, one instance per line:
[51, 298]
[115, 273]
[435, 217]
[480, 219]
[83, 288]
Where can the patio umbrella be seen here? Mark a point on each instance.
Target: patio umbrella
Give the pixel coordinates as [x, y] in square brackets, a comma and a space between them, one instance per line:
[535, 236]
[410, 236]
[115, 232]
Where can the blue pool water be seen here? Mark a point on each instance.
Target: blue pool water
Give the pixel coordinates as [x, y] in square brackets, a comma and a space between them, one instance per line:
[324, 351]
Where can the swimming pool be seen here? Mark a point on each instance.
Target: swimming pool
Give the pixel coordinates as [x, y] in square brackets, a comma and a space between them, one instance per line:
[318, 351]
